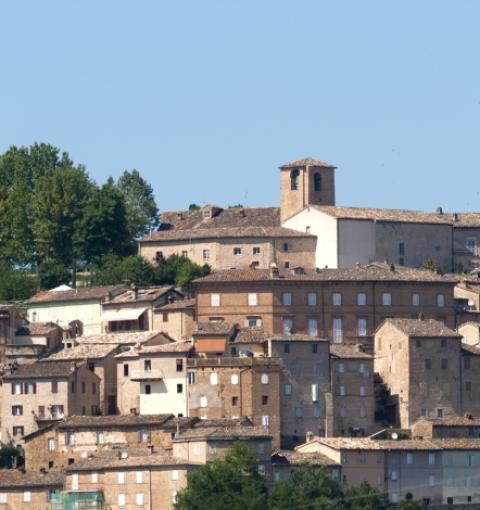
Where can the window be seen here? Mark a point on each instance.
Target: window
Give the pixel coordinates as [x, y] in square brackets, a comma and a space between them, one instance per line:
[317, 182]
[362, 391]
[415, 299]
[184, 254]
[264, 378]
[175, 474]
[471, 246]
[440, 413]
[206, 254]
[234, 401]
[237, 250]
[51, 444]
[54, 386]
[74, 481]
[179, 364]
[121, 499]
[18, 431]
[468, 386]
[341, 368]
[148, 389]
[138, 477]
[343, 412]
[57, 411]
[234, 379]
[362, 327]
[409, 458]
[315, 393]
[125, 373]
[440, 300]
[361, 299]
[287, 298]
[401, 249]
[341, 390]
[191, 377]
[179, 388]
[336, 299]
[3, 497]
[286, 264]
[27, 496]
[159, 256]
[317, 412]
[362, 412]
[265, 420]
[337, 331]
[252, 299]
[213, 378]
[394, 498]
[470, 460]
[287, 326]
[294, 174]
[17, 410]
[256, 250]
[314, 348]
[72, 386]
[264, 400]
[298, 412]
[121, 478]
[203, 402]
[215, 300]
[69, 437]
[17, 389]
[94, 478]
[174, 497]
[285, 247]
[287, 389]
[94, 388]
[31, 388]
[312, 299]
[386, 299]
[100, 437]
[139, 499]
[394, 476]
[431, 481]
[317, 368]
[286, 347]
[431, 459]
[313, 328]
[428, 363]
[444, 364]
[261, 448]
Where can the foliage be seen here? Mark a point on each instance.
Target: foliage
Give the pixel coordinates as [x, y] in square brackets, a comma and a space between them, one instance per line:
[180, 271]
[193, 207]
[141, 209]
[232, 483]
[363, 497]
[431, 265]
[411, 505]
[9, 456]
[113, 269]
[52, 273]
[459, 268]
[16, 285]
[235, 206]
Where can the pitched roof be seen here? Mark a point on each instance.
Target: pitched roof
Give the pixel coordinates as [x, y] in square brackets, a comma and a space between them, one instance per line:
[140, 295]
[308, 162]
[293, 458]
[213, 328]
[428, 328]
[83, 351]
[174, 347]
[178, 304]
[37, 329]
[471, 349]
[16, 479]
[42, 370]
[376, 271]
[451, 421]
[360, 443]
[457, 443]
[222, 433]
[348, 352]
[79, 294]
[117, 420]
[296, 337]
[135, 337]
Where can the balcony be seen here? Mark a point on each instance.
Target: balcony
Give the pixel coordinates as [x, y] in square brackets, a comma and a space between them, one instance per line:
[147, 375]
[232, 362]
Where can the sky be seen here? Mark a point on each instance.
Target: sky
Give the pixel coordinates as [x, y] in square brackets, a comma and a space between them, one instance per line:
[207, 98]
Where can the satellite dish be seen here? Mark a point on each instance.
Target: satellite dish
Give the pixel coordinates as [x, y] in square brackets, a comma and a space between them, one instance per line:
[394, 436]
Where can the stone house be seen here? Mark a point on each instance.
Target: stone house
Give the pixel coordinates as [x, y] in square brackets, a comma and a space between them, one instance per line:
[419, 361]
[38, 393]
[10, 321]
[66, 307]
[285, 461]
[176, 319]
[451, 427]
[153, 379]
[133, 310]
[352, 390]
[344, 305]
[29, 490]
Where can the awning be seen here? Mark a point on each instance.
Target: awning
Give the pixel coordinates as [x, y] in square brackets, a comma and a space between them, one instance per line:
[122, 314]
[212, 345]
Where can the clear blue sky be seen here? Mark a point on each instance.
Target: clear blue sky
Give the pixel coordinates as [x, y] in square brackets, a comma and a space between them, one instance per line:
[207, 98]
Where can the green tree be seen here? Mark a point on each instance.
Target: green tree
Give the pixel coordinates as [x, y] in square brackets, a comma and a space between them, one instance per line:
[114, 269]
[16, 284]
[364, 497]
[52, 273]
[9, 456]
[193, 207]
[431, 265]
[411, 504]
[232, 482]
[141, 209]
[179, 271]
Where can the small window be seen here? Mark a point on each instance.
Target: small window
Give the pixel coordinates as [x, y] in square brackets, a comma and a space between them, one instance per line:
[237, 250]
[361, 299]
[362, 412]
[298, 412]
[314, 348]
[466, 363]
[336, 299]
[343, 412]
[148, 389]
[206, 254]
[17, 410]
[94, 388]
[317, 182]
[213, 378]
[312, 327]
[72, 386]
[234, 379]
[415, 299]
[287, 326]
[27, 497]
[139, 499]
[265, 420]
[256, 250]
[431, 481]
[341, 390]
[252, 299]
[286, 264]
[338, 330]
[440, 300]
[69, 437]
[215, 300]
[285, 247]
[471, 246]
[121, 499]
[317, 412]
[139, 477]
[84, 384]
[147, 365]
[51, 444]
[394, 476]
[125, 369]
[362, 391]
[203, 402]
[179, 388]
[444, 364]
[100, 437]
[409, 458]
[315, 393]
[401, 249]
[179, 364]
[264, 400]
[341, 368]
[312, 299]
[94, 478]
[431, 459]
[18, 431]
[264, 378]
[287, 298]
[191, 377]
[121, 478]
[287, 389]
[386, 299]
[234, 401]
[362, 327]
[54, 386]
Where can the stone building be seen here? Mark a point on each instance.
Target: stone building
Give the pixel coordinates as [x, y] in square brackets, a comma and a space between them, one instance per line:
[10, 321]
[344, 305]
[470, 379]
[234, 387]
[419, 361]
[21, 490]
[467, 300]
[153, 379]
[352, 391]
[451, 427]
[176, 319]
[285, 461]
[36, 394]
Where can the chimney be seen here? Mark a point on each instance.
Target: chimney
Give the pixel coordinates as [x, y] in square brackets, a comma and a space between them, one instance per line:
[274, 273]
[357, 264]
[421, 317]
[392, 268]
[309, 437]
[439, 210]
[135, 291]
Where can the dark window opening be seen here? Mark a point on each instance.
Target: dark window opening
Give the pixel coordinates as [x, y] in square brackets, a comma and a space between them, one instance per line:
[294, 174]
[317, 182]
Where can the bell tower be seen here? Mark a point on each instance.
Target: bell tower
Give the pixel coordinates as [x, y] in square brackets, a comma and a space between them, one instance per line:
[305, 182]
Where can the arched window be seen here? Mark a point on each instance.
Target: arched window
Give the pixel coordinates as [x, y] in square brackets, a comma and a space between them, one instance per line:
[294, 178]
[317, 182]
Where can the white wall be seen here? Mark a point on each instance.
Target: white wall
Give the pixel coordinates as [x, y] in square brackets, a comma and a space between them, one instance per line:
[356, 241]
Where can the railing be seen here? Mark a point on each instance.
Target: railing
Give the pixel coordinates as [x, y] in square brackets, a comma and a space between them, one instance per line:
[232, 362]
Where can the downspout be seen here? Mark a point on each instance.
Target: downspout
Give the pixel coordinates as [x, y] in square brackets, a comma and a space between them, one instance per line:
[150, 487]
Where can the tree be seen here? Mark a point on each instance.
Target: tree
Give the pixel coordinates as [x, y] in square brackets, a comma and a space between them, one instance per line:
[431, 265]
[9, 456]
[364, 497]
[179, 271]
[52, 273]
[16, 285]
[232, 482]
[411, 504]
[141, 209]
[114, 269]
[193, 207]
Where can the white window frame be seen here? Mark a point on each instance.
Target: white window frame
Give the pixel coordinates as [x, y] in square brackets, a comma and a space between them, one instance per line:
[252, 299]
[120, 478]
[214, 300]
[313, 327]
[264, 378]
[213, 378]
[139, 499]
[121, 500]
[51, 444]
[315, 393]
[265, 420]
[74, 481]
[3, 497]
[234, 379]
[94, 478]
[203, 402]
[138, 476]
[175, 475]
[337, 332]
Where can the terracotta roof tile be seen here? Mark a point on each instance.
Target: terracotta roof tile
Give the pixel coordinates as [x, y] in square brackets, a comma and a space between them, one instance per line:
[307, 162]
[15, 479]
[37, 329]
[428, 328]
[104, 462]
[174, 347]
[178, 304]
[293, 458]
[83, 351]
[348, 351]
[136, 337]
[42, 370]
[223, 433]
[141, 295]
[80, 294]
[119, 420]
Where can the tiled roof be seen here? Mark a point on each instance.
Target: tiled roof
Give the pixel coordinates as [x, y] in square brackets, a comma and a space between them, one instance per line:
[451, 421]
[213, 328]
[377, 271]
[141, 295]
[110, 421]
[15, 479]
[348, 351]
[357, 443]
[224, 422]
[178, 304]
[174, 347]
[292, 457]
[223, 433]
[428, 328]
[109, 462]
[457, 443]
[308, 162]
[37, 329]
[254, 335]
[136, 337]
[83, 351]
[42, 370]
[296, 337]
[80, 294]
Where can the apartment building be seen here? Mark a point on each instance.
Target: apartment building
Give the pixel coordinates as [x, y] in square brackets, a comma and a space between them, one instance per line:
[419, 361]
[344, 305]
[153, 379]
[38, 393]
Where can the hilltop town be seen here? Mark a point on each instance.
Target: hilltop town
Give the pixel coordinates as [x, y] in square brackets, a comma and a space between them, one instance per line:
[344, 338]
